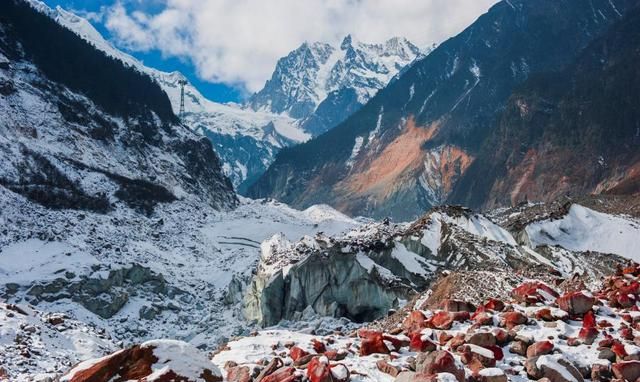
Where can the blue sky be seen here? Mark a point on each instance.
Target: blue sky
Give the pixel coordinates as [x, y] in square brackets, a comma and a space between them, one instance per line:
[229, 48]
[218, 92]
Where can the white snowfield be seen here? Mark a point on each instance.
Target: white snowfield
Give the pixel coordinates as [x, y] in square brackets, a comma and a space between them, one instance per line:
[583, 229]
[195, 248]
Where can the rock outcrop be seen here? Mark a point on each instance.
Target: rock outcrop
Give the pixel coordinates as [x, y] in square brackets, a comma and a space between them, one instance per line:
[104, 292]
[364, 273]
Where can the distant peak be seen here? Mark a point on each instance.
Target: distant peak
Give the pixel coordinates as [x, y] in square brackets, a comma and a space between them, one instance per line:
[346, 42]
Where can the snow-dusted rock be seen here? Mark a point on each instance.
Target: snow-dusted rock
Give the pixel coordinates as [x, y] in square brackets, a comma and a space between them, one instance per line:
[161, 360]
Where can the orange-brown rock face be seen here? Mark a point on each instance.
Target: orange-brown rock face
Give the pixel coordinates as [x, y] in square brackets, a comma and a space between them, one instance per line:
[402, 169]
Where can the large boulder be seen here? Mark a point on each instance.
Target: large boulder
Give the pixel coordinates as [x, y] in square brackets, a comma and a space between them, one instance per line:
[576, 303]
[166, 360]
[627, 370]
[532, 292]
[553, 367]
[437, 362]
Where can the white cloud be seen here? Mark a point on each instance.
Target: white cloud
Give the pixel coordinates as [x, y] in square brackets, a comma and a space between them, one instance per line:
[239, 41]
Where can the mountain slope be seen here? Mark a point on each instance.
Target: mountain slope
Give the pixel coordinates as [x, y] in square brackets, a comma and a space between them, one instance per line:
[572, 132]
[74, 138]
[246, 141]
[407, 148]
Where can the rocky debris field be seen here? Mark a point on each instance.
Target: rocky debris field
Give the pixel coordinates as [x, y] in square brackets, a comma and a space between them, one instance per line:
[37, 344]
[557, 331]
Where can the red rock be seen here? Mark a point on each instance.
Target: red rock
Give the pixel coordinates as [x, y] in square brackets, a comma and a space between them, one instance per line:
[439, 361]
[589, 320]
[483, 339]
[539, 348]
[544, 314]
[607, 342]
[421, 343]
[498, 354]
[618, 349]
[532, 292]
[461, 316]
[604, 324]
[318, 370]
[495, 305]
[138, 362]
[414, 322]
[318, 346]
[632, 288]
[444, 337]
[626, 333]
[457, 341]
[588, 333]
[557, 369]
[397, 342]
[600, 373]
[456, 306]
[297, 353]
[495, 375]
[625, 301]
[336, 355]
[239, 374]
[372, 342]
[442, 320]
[502, 336]
[626, 370]
[518, 347]
[283, 374]
[474, 356]
[387, 368]
[483, 319]
[512, 319]
[576, 303]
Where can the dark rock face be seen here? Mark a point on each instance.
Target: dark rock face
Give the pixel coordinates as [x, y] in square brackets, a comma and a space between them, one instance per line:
[332, 111]
[446, 105]
[579, 125]
[336, 285]
[103, 296]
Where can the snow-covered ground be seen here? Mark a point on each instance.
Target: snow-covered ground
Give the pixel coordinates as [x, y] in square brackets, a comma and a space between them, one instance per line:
[583, 229]
[196, 249]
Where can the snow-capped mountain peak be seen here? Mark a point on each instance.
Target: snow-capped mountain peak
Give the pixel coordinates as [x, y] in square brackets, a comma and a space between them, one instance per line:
[308, 75]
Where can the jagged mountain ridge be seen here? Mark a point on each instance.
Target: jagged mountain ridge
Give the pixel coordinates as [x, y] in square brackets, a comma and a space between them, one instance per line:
[409, 146]
[322, 85]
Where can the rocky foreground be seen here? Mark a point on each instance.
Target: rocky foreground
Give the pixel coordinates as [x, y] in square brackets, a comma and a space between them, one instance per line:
[556, 331]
